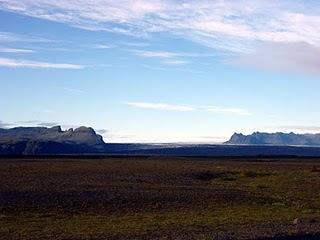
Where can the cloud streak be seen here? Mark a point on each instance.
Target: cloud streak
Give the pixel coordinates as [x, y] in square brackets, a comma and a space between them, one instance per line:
[104, 46]
[188, 108]
[73, 91]
[161, 106]
[175, 62]
[16, 50]
[5, 124]
[156, 54]
[283, 57]
[13, 37]
[200, 20]
[37, 123]
[169, 58]
[297, 128]
[233, 27]
[18, 63]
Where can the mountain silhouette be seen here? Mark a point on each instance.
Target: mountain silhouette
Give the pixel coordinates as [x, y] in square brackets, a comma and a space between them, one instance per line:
[84, 140]
[279, 139]
[42, 140]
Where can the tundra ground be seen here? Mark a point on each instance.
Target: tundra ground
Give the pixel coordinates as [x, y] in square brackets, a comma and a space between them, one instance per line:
[159, 198]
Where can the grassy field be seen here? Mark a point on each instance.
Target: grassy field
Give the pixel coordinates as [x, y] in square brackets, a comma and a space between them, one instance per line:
[158, 198]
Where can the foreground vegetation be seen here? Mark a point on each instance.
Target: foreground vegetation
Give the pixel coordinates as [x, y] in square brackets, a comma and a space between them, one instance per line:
[158, 198]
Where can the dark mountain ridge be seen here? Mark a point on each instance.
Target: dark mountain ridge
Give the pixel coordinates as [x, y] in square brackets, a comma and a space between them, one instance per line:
[84, 140]
[81, 135]
[278, 139]
[42, 140]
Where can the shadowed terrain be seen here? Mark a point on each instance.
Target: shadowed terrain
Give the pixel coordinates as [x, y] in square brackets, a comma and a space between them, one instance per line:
[84, 140]
[159, 198]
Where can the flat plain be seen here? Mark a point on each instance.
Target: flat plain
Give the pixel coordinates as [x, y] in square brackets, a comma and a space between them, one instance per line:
[159, 198]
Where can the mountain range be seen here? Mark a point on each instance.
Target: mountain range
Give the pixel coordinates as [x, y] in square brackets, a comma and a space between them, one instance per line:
[42, 140]
[278, 139]
[84, 140]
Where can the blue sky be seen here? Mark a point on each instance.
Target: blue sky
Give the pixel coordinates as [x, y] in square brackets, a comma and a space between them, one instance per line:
[162, 70]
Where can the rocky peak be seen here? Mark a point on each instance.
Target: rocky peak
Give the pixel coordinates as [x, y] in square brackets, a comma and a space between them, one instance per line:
[278, 138]
[83, 129]
[81, 135]
[56, 129]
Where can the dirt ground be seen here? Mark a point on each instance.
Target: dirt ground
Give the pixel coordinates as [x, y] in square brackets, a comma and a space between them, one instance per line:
[159, 198]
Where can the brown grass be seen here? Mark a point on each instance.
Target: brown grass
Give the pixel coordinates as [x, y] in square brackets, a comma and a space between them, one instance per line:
[157, 198]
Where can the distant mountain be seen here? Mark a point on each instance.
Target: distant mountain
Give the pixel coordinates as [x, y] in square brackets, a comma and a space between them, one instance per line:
[41, 140]
[280, 139]
[84, 140]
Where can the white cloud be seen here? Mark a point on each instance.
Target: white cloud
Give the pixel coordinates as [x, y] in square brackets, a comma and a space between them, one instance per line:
[261, 20]
[298, 57]
[135, 44]
[167, 54]
[235, 27]
[104, 46]
[37, 123]
[169, 58]
[101, 131]
[296, 128]
[161, 106]
[47, 124]
[5, 124]
[13, 37]
[72, 90]
[155, 54]
[175, 62]
[154, 68]
[17, 63]
[188, 108]
[16, 50]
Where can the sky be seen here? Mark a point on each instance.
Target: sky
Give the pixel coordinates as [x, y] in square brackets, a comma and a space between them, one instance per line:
[161, 70]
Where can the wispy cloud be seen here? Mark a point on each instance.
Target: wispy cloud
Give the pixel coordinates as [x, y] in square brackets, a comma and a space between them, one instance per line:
[296, 128]
[18, 63]
[155, 54]
[175, 62]
[74, 91]
[14, 37]
[35, 43]
[168, 54]
[37, 123]
[47, 124]
[188, 108]
[283, 57]
[161, 106]
[101, 131]
[170, 58]
[236, 27]
[154, 68]
[104, 46]
[262, 20]
[135, 44]
[40, 123]
[16, 50]
[5, 124]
